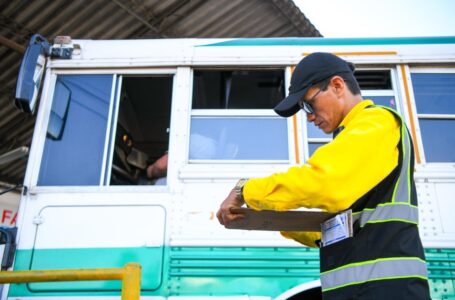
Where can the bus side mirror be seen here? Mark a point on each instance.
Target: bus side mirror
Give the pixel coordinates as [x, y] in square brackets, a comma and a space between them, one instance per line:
[30, 73]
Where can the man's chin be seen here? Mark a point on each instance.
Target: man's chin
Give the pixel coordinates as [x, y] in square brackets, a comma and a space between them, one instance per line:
[327, 130]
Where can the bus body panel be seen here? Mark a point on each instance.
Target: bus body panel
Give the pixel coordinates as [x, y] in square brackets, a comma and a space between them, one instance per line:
[172, 229]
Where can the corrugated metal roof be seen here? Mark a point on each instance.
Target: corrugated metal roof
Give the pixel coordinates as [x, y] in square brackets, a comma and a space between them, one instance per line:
[123, 19]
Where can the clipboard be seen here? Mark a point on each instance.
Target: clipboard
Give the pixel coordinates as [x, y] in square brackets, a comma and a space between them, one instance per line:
[271, 220]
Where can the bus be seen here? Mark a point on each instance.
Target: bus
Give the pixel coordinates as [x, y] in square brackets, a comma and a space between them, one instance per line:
[108, 109]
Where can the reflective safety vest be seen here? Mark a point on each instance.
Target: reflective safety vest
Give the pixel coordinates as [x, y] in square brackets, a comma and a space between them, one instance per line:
[385, 257]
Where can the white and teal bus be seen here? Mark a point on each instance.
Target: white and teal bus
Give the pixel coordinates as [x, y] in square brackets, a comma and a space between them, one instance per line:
[110, 108]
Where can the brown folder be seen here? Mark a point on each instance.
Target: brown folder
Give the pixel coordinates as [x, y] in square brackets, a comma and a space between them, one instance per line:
[294, 220]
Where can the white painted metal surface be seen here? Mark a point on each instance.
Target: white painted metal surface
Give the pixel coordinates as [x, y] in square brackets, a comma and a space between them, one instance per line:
[183, 212]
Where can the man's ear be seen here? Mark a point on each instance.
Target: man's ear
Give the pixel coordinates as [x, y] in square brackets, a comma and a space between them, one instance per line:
[339, 85]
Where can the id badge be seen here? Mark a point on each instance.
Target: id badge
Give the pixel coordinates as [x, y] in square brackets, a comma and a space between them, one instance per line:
[337, 228]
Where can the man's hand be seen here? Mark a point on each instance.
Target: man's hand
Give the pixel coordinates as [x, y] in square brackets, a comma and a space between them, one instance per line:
[159, 168]
[224, 214]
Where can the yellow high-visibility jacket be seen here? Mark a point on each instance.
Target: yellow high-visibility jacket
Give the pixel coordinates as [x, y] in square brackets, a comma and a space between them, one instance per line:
[338, 173]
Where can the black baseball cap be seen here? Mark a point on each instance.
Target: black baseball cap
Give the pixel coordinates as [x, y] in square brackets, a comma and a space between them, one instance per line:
[311, 69]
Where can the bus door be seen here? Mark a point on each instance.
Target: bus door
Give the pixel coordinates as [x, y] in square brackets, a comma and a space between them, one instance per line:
[91, 200]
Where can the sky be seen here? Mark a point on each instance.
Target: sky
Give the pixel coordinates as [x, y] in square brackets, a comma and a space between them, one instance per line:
[380, 18]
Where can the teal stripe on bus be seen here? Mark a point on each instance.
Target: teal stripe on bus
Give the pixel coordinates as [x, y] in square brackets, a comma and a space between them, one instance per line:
[334, 41]
[203, 271]
[222, 271]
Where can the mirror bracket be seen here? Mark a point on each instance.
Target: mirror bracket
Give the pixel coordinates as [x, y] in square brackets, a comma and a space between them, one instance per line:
[32, 68]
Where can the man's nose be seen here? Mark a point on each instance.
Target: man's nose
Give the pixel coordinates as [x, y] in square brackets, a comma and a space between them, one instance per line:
[310, 117]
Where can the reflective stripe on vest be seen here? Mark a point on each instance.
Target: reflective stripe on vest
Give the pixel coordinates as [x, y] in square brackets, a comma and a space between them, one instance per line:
[388, 212]
[399, 209]
[402, 191]
[379, 269]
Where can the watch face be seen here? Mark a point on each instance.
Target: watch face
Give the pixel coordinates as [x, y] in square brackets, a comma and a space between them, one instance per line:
[241, 182]
[239, 188]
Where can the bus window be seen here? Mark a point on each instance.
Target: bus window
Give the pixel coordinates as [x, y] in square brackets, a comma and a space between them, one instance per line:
[375, 85]
[142, 131]
[434, 93]
[76, 134]
[242, 89]
[232, 116]
[73, 150]
[239, 138]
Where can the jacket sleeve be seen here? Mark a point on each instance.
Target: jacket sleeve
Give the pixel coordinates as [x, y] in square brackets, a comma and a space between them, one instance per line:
[338, 173]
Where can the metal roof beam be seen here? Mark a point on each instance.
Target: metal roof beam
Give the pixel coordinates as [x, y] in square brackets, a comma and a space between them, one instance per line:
[16, 29]
[193, 8]
[11, 44]
[158, 20]
[138, 16]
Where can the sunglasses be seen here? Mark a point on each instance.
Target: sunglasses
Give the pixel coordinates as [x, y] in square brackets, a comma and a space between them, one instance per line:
[306, 105]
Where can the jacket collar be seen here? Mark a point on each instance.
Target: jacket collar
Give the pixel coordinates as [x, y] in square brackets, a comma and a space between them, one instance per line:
[355, 111]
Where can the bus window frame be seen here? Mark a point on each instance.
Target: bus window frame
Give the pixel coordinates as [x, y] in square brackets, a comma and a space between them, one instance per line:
[43, 116]
[196, 170]
[433, 166]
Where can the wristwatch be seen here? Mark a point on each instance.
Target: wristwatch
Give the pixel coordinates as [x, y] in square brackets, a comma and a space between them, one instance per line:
[239, 189]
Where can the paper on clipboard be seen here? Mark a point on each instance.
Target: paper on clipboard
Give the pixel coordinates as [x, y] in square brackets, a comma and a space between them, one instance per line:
[271, 220]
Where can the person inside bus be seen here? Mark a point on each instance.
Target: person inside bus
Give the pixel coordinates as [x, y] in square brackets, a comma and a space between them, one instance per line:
[201, 147]
[365, 173]
[158, 170]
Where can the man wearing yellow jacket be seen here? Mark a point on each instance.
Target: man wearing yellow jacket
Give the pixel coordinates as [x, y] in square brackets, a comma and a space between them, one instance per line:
[367, 169]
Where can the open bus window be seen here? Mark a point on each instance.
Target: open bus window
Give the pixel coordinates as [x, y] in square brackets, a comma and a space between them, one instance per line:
[241, 89]
[434, 93]
[232, 116]
[142, 133]
[75, 144]
[376, 85]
